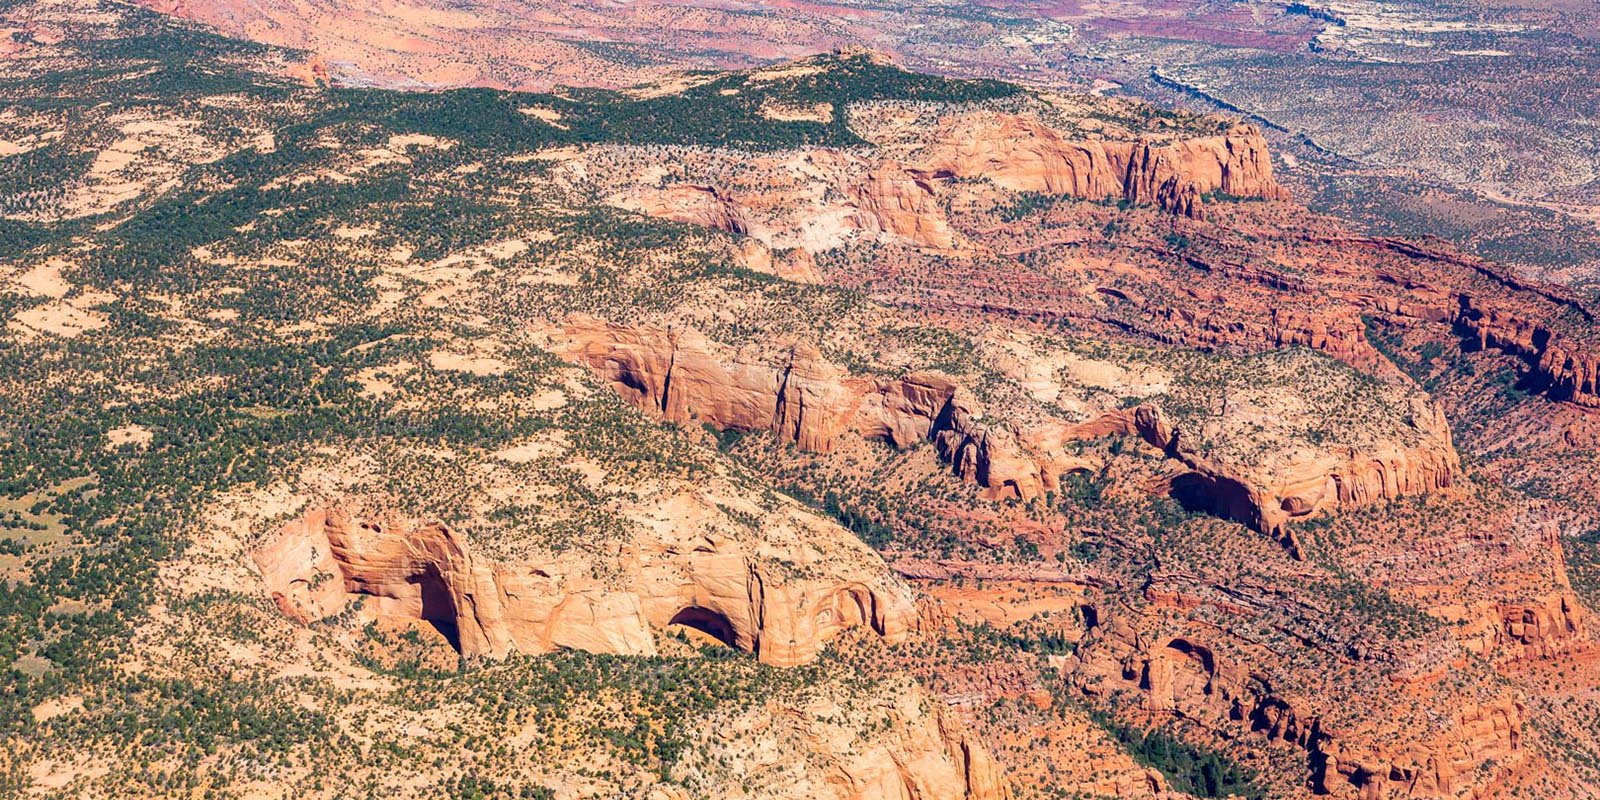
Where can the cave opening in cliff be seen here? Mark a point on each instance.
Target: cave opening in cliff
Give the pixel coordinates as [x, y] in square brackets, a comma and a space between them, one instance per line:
[1091, 616]
[1183, 649]
[1202, 494]
[708, 622]
[438, 605]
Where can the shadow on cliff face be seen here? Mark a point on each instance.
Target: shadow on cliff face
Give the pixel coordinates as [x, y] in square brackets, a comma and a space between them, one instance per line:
[706, 621]
[1203, 494]
[438, 606]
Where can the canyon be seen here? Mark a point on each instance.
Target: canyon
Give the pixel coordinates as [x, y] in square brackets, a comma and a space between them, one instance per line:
[1187, 678]
[819, 429]
[818, 200]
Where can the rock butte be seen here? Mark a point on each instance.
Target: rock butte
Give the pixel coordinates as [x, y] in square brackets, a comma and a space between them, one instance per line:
[800, 397]
[425, 571]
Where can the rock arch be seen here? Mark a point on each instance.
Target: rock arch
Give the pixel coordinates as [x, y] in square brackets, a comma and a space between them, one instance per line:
[849, 606]
[1178, 674]
[1216, 495]
[1090, 615]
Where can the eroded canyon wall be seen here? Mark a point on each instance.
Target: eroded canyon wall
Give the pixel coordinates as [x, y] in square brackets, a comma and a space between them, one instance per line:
[1455, 757]
[1025, 155]
[800, 397]
[426, 571]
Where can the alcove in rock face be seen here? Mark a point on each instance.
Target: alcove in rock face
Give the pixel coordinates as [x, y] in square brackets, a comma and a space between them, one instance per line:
[424, 572]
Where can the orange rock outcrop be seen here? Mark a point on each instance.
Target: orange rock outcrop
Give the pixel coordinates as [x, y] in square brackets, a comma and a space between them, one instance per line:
[1566, 370]
[691, 203]
[1338, 478]
[902, 204]
[1533, 321]
[827, 194]
[1539, 627]
[923, 752]
[425, 571]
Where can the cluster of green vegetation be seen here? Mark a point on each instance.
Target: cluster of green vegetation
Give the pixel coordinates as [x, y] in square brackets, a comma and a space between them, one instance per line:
[1583, 565]
[982, 642]
[722, 111]
[644, 711]
[886, 520]
[1372, 606]
[1188, 768]
[1419, 363]
[1027, 204]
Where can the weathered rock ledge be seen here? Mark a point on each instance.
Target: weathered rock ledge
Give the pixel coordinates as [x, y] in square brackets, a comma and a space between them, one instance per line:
[801, 398]
[1026, 155]
[425, 571]
[889, 198]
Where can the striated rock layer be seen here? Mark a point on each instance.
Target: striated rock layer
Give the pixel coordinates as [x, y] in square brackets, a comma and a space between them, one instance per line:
[1532, 321]
[918, 749]
[901, 204]
[1026, 155]
[426, 571]
[1566, 370]
[819, 199]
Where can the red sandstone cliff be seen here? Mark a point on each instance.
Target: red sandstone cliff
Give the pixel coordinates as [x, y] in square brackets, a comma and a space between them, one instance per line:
[426, 571]
[815, 198]
[800, 397]
[1025, 155]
